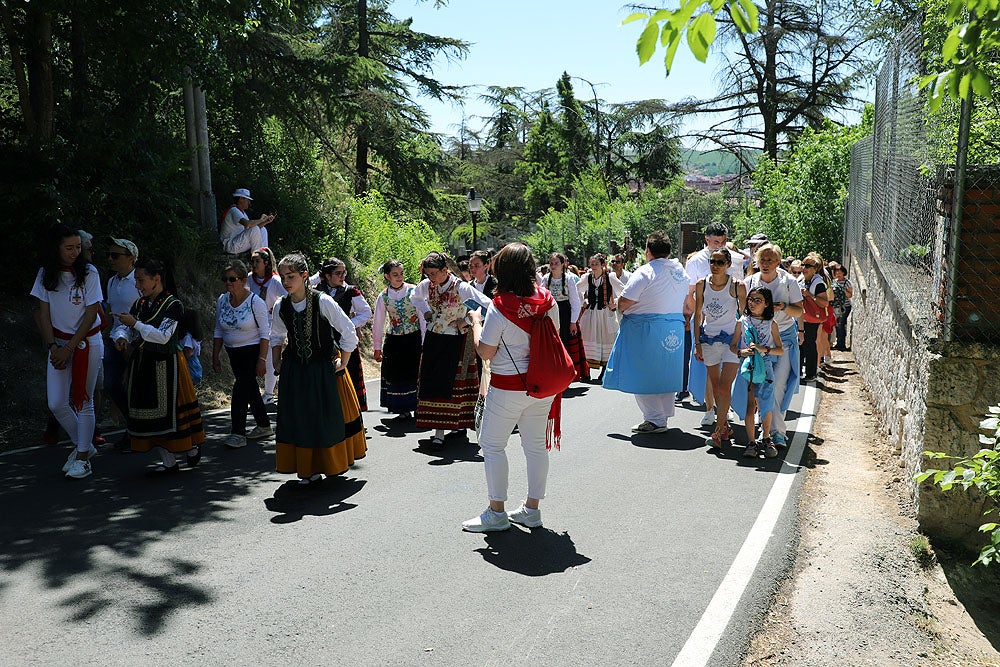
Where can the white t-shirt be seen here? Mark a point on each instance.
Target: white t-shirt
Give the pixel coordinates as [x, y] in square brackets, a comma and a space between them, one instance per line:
[698, 268]
[233, 225]
[517, 341]
[784, 289]
[657, 287]
[122, 294]
[330, 311]
[242, 325]
[67, 302]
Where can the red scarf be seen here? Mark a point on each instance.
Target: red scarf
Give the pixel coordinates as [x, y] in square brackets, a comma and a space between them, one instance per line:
[522, 312]
[80, 365]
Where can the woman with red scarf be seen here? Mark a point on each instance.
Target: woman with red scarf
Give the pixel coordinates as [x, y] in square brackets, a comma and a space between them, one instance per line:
[69, 293]
[503, 339]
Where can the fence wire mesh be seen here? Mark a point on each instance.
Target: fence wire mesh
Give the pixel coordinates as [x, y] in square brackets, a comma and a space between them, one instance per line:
[900, 221]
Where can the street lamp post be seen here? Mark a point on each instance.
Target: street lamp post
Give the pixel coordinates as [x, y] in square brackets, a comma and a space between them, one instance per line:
[474, 202]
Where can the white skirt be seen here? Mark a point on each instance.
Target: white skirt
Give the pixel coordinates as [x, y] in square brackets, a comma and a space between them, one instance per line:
[598, 329]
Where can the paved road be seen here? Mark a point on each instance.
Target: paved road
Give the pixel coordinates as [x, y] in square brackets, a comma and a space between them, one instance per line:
[222, 565]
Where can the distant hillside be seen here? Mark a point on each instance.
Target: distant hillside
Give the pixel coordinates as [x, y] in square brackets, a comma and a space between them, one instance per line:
[711, 163]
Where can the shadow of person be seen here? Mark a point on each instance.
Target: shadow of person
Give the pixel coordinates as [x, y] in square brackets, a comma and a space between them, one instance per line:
[674, 439]
[292, 501]
[451, 452]
[397, 428]
[573, 392]
[533, 553]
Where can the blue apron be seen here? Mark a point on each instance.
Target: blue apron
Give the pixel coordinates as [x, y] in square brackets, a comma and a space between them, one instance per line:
[648, 355]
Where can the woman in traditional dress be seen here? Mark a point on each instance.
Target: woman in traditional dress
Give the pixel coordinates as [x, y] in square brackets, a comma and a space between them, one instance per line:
[350, 299]
[480, 274]
[265, 283]
[319, 430]
[504, 340]
[449, 380]
[163, 412]
[563, 286]
[69, 294]
[599, 290]
[243, 327]
[399, 351]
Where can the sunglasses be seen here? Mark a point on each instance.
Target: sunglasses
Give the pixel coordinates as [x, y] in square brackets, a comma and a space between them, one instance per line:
[756, 299]
[796, 273]
[810, 266]
[717, 262]
[116, 255]
[615, 261]
[229, 279]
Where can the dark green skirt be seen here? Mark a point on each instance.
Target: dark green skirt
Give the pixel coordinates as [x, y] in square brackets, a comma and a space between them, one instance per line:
[309, 413]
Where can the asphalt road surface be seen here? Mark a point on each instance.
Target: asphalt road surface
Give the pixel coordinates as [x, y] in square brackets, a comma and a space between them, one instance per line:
[225, 565]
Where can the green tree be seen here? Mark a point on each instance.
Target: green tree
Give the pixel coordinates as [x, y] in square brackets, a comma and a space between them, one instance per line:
[542, 164]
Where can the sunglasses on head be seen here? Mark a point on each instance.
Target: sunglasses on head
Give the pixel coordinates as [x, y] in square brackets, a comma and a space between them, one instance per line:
[717, 262]
[809, 266]
[229, 279]
[756, 299]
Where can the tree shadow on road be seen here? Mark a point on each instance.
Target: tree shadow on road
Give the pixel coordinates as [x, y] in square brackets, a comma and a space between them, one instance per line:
[86, 533]
[292, 501]
[672, 440]
[534, 553]
[977, 588]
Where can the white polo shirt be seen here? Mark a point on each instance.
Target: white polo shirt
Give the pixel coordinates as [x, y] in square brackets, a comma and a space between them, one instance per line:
[122, 293]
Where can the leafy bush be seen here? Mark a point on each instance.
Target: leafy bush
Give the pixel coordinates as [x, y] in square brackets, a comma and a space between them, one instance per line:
[981, 471]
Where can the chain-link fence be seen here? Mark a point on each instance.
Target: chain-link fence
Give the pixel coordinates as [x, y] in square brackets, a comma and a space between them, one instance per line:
[901, 216]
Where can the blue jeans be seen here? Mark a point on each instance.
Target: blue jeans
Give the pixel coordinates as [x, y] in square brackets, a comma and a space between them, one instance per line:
[842, 327]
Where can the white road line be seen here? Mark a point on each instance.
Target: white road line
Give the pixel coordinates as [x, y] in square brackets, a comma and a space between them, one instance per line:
[66, 442]
[701, 644]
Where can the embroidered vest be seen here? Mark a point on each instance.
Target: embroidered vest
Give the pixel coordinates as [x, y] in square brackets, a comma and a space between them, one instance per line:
[402, 314]
[153, 313]
[308, 341]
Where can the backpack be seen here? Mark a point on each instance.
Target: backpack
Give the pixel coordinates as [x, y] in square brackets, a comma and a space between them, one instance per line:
[550, 368]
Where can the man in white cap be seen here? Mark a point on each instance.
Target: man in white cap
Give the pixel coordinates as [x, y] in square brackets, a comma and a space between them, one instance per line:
[238, 232]
[122, 293]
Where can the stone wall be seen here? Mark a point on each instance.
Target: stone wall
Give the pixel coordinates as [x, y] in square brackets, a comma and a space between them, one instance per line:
[931, 394]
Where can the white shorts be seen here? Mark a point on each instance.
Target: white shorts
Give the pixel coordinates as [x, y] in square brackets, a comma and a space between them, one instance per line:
[718, 353]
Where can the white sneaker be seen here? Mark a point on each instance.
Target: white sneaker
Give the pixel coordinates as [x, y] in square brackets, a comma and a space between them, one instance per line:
[731, 416]
[267, 398]
[649, 427]
[260, 432]
[235, 441]
[79, 469]
[72, 457]
[487, 522]
[526, 517]
[709, 418]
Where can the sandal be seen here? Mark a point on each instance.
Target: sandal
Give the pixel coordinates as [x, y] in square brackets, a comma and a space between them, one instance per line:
[194, 459]
[715, 440]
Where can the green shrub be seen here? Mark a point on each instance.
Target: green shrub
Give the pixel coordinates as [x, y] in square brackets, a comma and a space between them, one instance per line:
[982, 471]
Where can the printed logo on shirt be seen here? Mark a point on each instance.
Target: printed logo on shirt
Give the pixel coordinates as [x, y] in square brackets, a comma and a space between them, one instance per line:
[76, 295]
[672, 342]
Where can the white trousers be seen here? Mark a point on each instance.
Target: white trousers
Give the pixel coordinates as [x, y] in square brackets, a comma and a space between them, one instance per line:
[656, 408]
[248, 240]
[505, 409]
[79, 425]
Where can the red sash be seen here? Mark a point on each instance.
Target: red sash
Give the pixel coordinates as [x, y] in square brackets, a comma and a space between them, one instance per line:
[81, 365]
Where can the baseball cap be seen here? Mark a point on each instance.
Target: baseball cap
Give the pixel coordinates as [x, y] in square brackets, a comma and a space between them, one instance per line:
[132, 248]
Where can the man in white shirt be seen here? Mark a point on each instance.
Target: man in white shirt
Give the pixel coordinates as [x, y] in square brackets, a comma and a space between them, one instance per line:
[238, 232]
[122, 294]
[648, 355]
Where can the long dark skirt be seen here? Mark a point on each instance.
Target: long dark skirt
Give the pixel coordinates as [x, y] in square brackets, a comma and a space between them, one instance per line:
[358, 378]
[574, 344]
[400, 372]
[449, 383]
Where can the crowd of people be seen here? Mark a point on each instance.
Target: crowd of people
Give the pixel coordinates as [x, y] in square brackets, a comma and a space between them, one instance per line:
[489, 344]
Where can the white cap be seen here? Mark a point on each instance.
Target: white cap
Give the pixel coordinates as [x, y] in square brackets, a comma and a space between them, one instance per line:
[243, 192]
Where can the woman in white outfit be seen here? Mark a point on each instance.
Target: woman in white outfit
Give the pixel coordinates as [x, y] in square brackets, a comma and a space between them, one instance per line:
[599, 290]
[719, 300]
[265, 283]
[787, 298]
[69, 295]
[503, 341]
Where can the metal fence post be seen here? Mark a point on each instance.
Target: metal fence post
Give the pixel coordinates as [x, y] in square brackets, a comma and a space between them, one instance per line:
[958, 202]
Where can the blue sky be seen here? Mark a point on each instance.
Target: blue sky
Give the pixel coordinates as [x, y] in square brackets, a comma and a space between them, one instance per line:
[530, 44]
